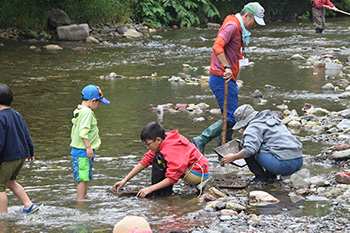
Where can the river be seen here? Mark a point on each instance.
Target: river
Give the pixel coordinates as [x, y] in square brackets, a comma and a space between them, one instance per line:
[47, 85]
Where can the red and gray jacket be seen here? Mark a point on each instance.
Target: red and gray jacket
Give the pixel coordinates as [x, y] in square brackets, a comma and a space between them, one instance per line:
[321, 3]
[179, 154]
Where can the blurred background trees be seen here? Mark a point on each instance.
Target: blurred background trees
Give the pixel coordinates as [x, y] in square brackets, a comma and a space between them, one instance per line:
[33, 14]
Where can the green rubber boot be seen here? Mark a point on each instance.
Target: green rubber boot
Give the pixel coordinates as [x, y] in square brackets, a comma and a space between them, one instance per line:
[207, 135]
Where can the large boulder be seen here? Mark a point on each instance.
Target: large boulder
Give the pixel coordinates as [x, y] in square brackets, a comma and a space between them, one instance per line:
[58, 18]
[73, 32]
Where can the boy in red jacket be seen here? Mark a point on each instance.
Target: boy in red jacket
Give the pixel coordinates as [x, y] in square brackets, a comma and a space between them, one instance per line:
[172, 157]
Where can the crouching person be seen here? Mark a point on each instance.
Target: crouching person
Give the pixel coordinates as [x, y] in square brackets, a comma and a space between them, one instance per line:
[172, 157]
[268, 146]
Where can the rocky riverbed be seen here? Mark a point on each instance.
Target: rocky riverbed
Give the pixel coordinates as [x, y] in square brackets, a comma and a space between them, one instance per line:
[235, 211]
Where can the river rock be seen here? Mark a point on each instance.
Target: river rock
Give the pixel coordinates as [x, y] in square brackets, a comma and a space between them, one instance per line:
[220, 206]
[212, 204]
[344, 95]
[311, 60]
[203, 79]
[342, 147]
[302, 191]
[227, 212]
[213, 26]
[257, 94]
[215, 111]
[52, 47]
[303, 173]
[262, 198]
[319, 181]
[344, 125]
[334, 66]
[58, 18]
[132, 33]
[297, 57]
[345, 113]
[216, 193]
[73, 32]
[294, 124]
[328, 86]
[317, 111]
[290, 118]
[299, 182]
[235, 206]
[316, 198]
[198, 38]
[208, 197]
[342, 177]
[199, 119]
[91, 39]
[269, 87]
[341, 155]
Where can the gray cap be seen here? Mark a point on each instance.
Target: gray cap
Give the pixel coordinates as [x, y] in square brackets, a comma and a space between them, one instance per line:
[243, 115]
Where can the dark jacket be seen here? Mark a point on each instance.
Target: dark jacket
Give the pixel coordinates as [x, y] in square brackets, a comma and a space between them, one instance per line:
[15, 141]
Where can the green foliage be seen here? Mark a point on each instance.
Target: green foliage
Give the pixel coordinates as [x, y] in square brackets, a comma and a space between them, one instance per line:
[33, 14]
[305, 16]
[182, 12]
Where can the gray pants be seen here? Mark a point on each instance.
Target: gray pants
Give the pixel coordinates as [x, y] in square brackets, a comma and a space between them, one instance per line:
[319, 18]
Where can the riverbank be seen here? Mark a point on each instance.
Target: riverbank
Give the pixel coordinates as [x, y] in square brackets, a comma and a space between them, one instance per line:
[234, 211]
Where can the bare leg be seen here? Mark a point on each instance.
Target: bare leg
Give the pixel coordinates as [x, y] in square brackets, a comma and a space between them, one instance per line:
[3, 203]
[18, 190]
[82, 190]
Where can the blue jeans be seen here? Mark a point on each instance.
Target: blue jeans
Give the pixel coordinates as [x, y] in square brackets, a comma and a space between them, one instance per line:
[217, 85]
[275, 166]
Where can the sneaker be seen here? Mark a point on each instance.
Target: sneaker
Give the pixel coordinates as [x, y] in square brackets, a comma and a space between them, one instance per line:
[32, 209]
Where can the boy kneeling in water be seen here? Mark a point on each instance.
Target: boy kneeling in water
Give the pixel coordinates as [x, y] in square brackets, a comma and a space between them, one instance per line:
[172, 157]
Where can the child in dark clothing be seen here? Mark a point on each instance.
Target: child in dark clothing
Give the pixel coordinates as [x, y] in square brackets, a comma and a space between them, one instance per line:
[15, 146]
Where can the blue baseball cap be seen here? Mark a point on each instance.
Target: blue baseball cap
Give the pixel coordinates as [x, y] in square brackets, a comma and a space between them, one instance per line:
[93, 92]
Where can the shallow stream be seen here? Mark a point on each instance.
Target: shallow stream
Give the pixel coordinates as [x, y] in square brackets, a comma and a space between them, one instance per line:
[47, 85]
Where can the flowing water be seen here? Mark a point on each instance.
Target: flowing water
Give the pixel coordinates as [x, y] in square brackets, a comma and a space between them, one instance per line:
[47, 85]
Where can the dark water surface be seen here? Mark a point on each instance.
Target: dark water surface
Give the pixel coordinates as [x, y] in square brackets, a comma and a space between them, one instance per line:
[47, 87]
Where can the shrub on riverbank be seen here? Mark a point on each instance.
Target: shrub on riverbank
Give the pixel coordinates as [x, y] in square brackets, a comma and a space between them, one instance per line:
[27, 14]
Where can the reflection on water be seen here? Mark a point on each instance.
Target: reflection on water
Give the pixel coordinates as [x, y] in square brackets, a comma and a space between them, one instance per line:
[46, 85]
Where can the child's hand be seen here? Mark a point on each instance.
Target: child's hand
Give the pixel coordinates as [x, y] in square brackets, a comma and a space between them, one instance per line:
[117, 186]
[90, 153]
[144, 192]
[31, 159]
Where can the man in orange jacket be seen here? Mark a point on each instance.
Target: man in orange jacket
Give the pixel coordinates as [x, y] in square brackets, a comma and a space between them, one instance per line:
[227, 55]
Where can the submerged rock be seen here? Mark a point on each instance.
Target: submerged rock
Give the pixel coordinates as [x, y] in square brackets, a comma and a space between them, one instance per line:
[262, 198]
[52, 47]
[257, 94]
